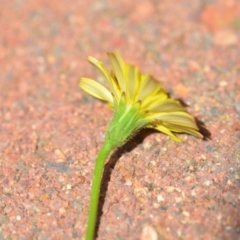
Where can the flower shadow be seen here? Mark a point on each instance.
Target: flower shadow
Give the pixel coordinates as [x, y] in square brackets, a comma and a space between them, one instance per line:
[203, 129]
[128, 147]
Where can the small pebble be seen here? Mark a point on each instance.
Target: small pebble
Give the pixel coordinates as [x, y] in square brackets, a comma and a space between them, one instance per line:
[207, 183]
[149, 233]
[160, 198]
[140, 192]
[236, 176]
[187, 214]
[62, 210]
[128, 182]
[170, 189]
[193, 193]
[223, 84]
[147, 145]
[59, 154]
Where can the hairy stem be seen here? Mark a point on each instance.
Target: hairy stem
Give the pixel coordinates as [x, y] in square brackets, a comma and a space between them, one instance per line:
[96, 183]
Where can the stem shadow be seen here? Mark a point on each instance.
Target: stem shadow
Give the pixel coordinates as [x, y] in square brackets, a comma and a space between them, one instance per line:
[110, 165]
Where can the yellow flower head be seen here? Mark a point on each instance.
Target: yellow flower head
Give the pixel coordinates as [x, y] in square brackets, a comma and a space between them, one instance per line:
[139, 101]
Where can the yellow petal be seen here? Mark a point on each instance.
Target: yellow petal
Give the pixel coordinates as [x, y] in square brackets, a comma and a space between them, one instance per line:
[148, 86]
[168, 132]
[132, 83]
[178, 118]
[168, 105]
[96, 89]
[111, 81]
[119, 69]
[191, 131]
[152, 101]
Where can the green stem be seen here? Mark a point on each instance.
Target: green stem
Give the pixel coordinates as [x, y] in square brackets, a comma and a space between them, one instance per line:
[96, 183]
[126, 121]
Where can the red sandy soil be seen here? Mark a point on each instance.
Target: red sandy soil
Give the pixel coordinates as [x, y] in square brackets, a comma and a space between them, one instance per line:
[51, 131]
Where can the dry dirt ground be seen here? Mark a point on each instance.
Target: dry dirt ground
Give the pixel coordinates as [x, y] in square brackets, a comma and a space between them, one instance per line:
[51, 131]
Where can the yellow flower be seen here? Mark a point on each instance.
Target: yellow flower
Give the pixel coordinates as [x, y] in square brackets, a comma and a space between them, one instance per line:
[138, 101]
